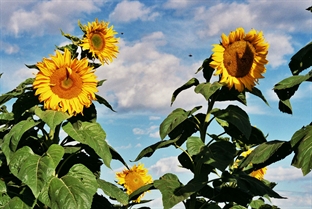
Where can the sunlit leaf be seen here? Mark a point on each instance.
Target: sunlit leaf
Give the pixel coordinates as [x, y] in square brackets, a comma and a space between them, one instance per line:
[194, 145]
[15, 203]
[301, 141]
[256, 204]
[55, 152]
[31, 169]
[168, 185]
[208, 89]
[267, 153]
[50, 117]
[174, 119]
[187, 85]
[301, 60]
[92, 135]
[235, 116]
[113, 191]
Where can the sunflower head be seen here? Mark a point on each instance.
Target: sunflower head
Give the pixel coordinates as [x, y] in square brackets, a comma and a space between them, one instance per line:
[100, 41]
[65, 84]
[240, 58]
[134, 178]
[259, 174]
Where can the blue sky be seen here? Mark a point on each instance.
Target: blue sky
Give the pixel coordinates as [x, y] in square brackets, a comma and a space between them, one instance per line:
[158, 36]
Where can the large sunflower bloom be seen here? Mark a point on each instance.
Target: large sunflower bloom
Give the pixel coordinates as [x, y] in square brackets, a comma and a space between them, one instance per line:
[100, 41]
[134, 178]
[64, 84]
[240, 58]
[259, 174]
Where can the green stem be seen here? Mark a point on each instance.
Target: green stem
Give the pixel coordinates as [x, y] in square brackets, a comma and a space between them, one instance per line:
[183, 150]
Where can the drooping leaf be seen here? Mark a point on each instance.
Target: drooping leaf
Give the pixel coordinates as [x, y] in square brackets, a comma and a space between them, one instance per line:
[174, 119]
[55, 152]
[285, 106]
[70, 191]
[168, 185]
[194, 145]
[207, 70]
[255, 91]
[12, 139]
[301, 142]
[235, 116]
[103, 101]
[187, 85]
[24, 103]
[301, 60]
[31, 169]
[92, 135]
[207, 89]
[50, 117]
[267, 153]
[309, 8]
[226, 94]
[100, 83]
[117, 156]
[113, 191]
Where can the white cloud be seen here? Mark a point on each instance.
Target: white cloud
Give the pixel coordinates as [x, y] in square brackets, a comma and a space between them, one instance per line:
[148, 131]
[9, 48]
[154, 118]
[178, 4]
[39, 18]
[138, 131]
[294, 200]
[127, 11]
[277, 174]
[124, 147]
[167, 165]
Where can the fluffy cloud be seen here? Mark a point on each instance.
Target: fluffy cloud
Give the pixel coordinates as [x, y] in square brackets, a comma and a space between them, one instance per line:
[277, 174]
[152, 131]
[9, 48]
[166, 165]
[127, 11]
[45, 16]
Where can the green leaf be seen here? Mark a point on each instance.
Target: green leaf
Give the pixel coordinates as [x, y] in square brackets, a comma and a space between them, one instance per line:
[226, 94]
[187, 85]
[301, 60]
[24, 103]
[219, 154]
[74, 190]
[255, 91]
[285, 106]
[5, 117]
[168, 185]
[15, 203]
[17, 91]
[194, 145]
[301, 142]
[50, 117]
[92, 135]
[103, 101]
[207, 70]
[208, 89]
[117, 156]
[174, 119]
[31, 169]
[100, 83]
[12, 138]
[267, 153]
[113, 191]
[235, 116]
[55, 152]
[256, 204]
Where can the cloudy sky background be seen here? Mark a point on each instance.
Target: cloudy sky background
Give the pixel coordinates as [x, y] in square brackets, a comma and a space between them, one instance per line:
[156, 38]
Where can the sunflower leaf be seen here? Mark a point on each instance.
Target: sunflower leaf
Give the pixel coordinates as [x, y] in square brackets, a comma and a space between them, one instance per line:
[301, 142]
[189, 84]
[207, 70]
[113, 191]
[15, 202]
[255, 91]
[135, 194]
[301, 60]
[103, 101]
[92, 135]
[50, 117]
[208, 89]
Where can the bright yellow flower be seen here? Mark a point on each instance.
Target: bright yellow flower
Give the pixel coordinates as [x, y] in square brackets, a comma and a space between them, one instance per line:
[134, 178]
[100, 41]
[65, 84]
[259, 174]
[240, 58]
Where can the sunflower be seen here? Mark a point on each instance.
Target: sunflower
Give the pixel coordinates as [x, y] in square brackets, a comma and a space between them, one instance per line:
[240, 58]
[100, 41]
[64, 84]
[259, 174]
[134, 178]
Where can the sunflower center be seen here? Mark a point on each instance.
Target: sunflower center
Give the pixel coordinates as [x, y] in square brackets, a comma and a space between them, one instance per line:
[134, 180]
[65, 83]
[98, 41]
[238, 58]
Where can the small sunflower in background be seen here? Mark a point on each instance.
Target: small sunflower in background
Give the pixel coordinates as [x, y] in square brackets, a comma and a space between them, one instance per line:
[99, 39]
[134, 178]
[240, 58]
[258, 174]
[65, 84]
